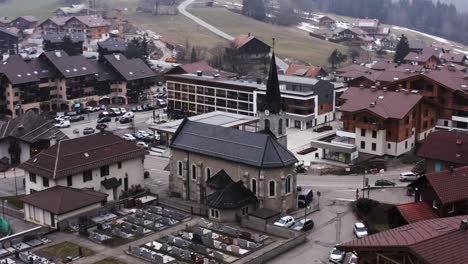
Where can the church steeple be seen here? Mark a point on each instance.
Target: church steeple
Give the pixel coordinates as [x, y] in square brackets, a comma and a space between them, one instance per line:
[273, 101]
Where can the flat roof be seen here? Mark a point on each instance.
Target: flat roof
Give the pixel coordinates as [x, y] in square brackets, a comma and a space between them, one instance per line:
[217, 118]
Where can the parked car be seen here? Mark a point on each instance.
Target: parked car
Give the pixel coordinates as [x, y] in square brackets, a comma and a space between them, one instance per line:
[129, 115]
[101, 126]
[304, 197]
[129, 137]
[360, 230]
[337, 256]
[133, 109]
[353, 259]
[125, 120]
[285, 221]
[97, 108]
[139, 108]
[72, 113]
[62, 118]
[122, 110]
[88, 130]
[115, 111]
[59, 114]
[144, 107]
[103, 114]
[408, 176]
[105, 119]
[90, 109]
[141, 134]
[63, 124]
[303, 225]
[142, 144]
[77, 118]
[384, 183]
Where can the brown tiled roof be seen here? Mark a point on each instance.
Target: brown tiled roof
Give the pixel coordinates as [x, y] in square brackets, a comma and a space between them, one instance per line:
[76, 155]
[61, 199]
[419, 57]
[414, 212]
[444, 145]
[29, 18]
[450, 186]
[392, 76]
[308, 71]
[93, 21]
[240, 41]
[353, 67]
[129, 69]
[387, 104]
[454, 57]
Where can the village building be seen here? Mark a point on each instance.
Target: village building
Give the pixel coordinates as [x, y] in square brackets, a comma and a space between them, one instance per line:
[52, 207]
[55, 41]
[73, 10]
[444, 150]
[326, 21]
[103, 162]
[4, 21]
[93, 26]
[305, 71]
[373, 123]
[9, 42]
[26, 136]
[248, 48]
[24, 22]
[428, 60]
[431, 242]
[111, 46]
[371, 26]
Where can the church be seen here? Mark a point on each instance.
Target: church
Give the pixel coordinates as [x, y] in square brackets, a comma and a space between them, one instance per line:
[235, 172]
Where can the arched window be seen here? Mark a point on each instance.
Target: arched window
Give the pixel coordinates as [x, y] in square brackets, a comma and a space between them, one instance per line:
[253, 186]
[272, 188]
[288, 184]
[194, 172]
[208, 173]
[179, 168]
[267, 124]
[280, 127]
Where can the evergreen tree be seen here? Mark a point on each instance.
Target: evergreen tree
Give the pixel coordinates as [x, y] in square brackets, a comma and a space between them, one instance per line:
[254, 9]
[336, 58]
[145, 53]
[402, 49]
[354, 53]
[193, 56]
[133, 49]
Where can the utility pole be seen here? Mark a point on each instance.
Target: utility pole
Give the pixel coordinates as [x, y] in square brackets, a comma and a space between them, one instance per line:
[16, 186]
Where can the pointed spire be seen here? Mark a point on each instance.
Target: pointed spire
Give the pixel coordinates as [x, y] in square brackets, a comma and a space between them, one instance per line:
[273, 101]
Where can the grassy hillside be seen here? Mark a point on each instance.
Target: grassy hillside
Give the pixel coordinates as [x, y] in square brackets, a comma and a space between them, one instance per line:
[39, 8]
[290, 42]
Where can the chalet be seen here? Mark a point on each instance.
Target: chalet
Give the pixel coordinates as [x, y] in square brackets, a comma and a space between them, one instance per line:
[326, 21]
[416, 45]
[53, 25]
[8, 42]
[430, 242]
[25, 136]
[376, 125]
[54, 41]
[427, 59]
[24, 22]
[455, 57]
[371, 26]
[388, 43]
[111, 46]
[351, 33]
[94, 26]
[305, 71]
[444, 150]
[103, 162]
[248, 47]
[4, 21]
[73, 10]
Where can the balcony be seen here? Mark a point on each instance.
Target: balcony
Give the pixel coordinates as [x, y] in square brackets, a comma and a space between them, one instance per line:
[369, 126]
[460, 119]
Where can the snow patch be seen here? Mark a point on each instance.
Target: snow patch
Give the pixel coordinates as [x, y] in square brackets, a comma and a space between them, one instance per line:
[307, 27]
[439, 39]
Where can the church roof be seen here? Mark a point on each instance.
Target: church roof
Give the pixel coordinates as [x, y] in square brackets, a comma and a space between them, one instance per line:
[220, 180]
[233, 196]
[273, 101]
[254, 149]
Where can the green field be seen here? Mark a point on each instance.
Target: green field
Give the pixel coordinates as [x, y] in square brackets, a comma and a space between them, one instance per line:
[39, 8]
[291, 42]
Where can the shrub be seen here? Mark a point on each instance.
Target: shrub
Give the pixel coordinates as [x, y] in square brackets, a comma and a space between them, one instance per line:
[365, 205]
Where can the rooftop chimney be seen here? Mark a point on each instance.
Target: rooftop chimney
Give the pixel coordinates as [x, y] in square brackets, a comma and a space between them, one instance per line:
[372, 104]
[248, 34]
[117, 56]
[216, 75]
[58, 53]
[199, 73]
[464, 224]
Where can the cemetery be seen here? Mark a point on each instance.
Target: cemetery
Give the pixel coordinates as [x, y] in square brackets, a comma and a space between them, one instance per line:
[205, 243]
[129, 225]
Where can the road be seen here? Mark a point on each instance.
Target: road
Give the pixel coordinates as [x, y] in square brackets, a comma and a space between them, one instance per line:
[182, 9]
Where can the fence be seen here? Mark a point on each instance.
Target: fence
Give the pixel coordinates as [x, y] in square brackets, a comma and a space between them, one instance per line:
[198, 209]
[12, 212]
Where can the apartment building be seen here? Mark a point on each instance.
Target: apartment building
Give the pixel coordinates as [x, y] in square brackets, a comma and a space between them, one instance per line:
[94, 26]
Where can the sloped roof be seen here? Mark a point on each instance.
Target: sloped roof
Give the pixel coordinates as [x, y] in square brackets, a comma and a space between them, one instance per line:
[241, 40]
[353, 67]
[58, 37]
[30, 127]
[27, 18]
[61, 199]
[307, 71]
[454, 57]
[414, 212]
[114, 44]
[69, 66]
[450, 186]
[388, 104]
[419, 57]
[72, 156]
[254, 149]
[444, 145]
[434, 241]
[129, 69]
[220, 180]
[93, 21]
[18, 71]
[4, 20]
[233, 196]
[9, 32]
[273, 101]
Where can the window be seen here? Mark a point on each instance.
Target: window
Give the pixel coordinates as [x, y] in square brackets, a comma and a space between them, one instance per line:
[267, 123]
[426, 112]
[363, 144]
[194, 172]
[32, 177]
[245, 210]
[407, 132]
[214, 213]
[406, 144]
[179, 168]
[452, 210]
[374, 134]
[104, 171]
[374, 147]
[280, 127]
[425, 124]
[389, 146]
[253, 186]
[272, 189]
[363, 132]
[407, 120]
[45, 182]
[434, 204]
[287, 186]
[119, 165]
[87, 175]
[208, 173]
[432, 121]
[69, 181]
